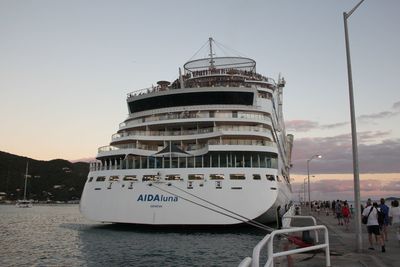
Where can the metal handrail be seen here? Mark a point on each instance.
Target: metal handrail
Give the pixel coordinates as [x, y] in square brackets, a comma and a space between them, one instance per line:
[268, 240]
[245, 262]
[305, 217]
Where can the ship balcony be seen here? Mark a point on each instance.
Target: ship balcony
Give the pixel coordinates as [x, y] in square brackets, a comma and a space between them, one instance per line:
[228, 81]
[190, 134]
[242, 145]
[230, 72]
[221, 77]
[215, 159]
[192, 149]
[198, 116]
[145, 150]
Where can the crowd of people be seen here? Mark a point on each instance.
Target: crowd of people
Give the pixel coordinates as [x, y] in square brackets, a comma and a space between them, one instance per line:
[340, 209]
[377, 217]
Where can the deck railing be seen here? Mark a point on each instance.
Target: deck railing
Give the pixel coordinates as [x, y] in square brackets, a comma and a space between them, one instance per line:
[191, 147]
[191, 132]
[197, 115]
[223, 73]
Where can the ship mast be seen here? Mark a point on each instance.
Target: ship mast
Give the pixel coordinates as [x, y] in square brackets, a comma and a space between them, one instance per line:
[26, 177]
[210, 40]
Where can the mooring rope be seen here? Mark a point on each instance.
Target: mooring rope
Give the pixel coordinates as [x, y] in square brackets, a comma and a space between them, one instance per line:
[241, 216]
[261, 226]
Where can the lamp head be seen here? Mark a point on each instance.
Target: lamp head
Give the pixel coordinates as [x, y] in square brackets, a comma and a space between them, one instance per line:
[317, 156]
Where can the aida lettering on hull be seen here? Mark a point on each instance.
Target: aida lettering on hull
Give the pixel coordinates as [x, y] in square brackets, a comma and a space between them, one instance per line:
[157, 197]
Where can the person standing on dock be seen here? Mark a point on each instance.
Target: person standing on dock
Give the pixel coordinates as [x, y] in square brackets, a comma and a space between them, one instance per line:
[373, 226]
[383, 225]
[346, 214]
[369, 203]
[394, 215]
[338, 210]
[334, 208]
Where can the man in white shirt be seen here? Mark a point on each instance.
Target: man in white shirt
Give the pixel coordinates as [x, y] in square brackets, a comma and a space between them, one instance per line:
[373, 225]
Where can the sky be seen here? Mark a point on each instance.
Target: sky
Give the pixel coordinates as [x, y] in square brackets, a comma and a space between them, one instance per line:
[66, 67]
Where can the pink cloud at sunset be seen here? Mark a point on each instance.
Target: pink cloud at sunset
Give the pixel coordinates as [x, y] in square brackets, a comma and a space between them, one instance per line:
[336, 154]
[343, 188]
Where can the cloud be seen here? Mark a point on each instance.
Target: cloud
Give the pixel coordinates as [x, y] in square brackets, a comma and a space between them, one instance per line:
[337, 154]
[336, 185]
[301, 125]
[381, 115]
[334, 125]
[392, 185]
[372, 136]
[325, 189]
[396, 105]
[306, 125]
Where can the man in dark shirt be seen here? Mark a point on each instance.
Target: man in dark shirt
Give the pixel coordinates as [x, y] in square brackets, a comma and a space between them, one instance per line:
[383, 225]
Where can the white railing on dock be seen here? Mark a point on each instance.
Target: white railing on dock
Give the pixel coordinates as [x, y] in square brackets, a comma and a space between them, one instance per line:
[268, 241]
[303, 217]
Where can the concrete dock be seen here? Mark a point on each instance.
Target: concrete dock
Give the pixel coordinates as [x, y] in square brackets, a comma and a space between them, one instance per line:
[343, 247]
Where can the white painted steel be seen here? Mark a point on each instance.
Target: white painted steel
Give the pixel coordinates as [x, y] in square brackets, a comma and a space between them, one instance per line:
[306, 217]
[245, 262]
[269, 239]
[120, 204]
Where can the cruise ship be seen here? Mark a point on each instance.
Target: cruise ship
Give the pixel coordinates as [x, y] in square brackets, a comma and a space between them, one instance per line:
[208, 148]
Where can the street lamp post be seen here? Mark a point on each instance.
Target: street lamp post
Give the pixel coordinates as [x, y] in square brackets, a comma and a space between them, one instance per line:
[304, 191]
[308, 176]
[353, 134]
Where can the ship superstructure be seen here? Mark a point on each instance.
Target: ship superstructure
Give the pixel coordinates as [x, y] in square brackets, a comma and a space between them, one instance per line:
[210, 148]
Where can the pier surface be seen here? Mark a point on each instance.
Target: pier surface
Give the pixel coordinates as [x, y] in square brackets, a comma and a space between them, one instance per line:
[343, 247]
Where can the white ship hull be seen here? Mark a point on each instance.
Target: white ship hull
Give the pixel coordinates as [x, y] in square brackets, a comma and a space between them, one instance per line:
[173, 203]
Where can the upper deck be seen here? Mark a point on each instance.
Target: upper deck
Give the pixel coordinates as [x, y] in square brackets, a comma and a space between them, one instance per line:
[229, 80]
[213, 72]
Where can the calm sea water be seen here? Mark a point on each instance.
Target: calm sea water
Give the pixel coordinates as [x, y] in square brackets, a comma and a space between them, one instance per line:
[58, 235]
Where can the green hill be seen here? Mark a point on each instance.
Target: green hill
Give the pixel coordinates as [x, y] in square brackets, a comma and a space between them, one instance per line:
[58, 180]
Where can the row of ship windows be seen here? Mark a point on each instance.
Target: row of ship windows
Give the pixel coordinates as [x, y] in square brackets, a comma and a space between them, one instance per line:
[171, 177]
[213, 160]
